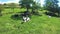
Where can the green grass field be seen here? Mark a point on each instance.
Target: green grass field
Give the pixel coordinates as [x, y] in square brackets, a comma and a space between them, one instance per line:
[37, 24]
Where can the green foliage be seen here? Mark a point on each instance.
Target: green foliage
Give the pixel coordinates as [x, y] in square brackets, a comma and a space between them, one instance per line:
[36, 5]
[1, 7]
[51, 5]
[29, 4]
[25, 3]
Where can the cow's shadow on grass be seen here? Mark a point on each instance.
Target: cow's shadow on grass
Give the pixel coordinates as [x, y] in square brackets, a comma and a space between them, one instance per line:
[16, 17]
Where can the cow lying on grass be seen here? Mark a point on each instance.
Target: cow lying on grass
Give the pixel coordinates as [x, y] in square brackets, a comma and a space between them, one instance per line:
[26, 19]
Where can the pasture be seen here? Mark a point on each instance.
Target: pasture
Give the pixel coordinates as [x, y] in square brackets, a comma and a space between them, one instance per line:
[37, 25]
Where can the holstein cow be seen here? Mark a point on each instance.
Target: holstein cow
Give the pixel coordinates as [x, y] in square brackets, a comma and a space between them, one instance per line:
[25, 19]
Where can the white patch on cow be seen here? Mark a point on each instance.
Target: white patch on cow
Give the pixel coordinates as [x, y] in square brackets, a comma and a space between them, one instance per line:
[25, 19]
[28, 19]
[49, 16]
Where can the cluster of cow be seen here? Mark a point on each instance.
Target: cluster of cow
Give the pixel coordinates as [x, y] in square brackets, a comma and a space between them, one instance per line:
[25, 19]
[25, 16]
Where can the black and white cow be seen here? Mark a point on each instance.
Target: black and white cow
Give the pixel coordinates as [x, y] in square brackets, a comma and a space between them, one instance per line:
[25, 19]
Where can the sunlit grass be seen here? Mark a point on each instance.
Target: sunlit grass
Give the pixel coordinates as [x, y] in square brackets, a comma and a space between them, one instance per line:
[37, 25]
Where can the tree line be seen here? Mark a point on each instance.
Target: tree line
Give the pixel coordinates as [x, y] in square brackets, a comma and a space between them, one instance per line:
[50, 5]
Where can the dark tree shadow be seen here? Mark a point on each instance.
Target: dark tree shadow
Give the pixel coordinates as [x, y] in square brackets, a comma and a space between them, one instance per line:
[26, 13]
[36, 13]
[16, 17]
[51, 14]
[20, 15]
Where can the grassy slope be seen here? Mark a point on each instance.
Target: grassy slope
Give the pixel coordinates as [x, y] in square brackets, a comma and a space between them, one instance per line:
[37, 25]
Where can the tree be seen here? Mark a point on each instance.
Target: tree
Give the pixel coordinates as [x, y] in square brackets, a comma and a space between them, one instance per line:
[35, 7]
[29, 4]
[51, 5]
[25, 3]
